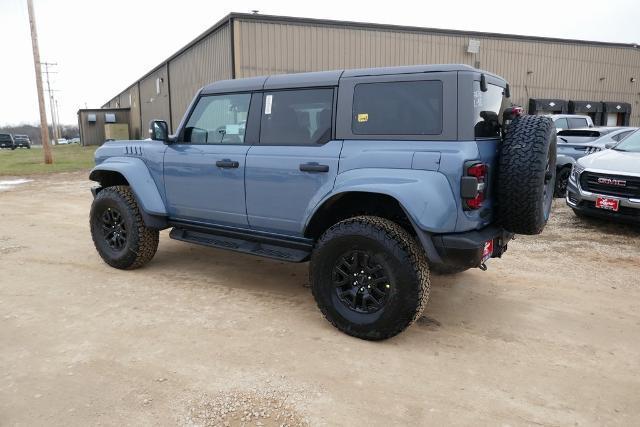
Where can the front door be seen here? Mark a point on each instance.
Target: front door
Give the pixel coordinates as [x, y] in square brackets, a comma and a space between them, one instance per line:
[204, 169]
[296, 162]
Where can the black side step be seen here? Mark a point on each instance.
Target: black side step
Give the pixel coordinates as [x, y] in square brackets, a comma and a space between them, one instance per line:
[254, 245]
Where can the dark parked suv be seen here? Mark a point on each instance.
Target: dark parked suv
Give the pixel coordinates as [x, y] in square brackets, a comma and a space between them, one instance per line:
[6, 141]
[22, 141]
[377, 176]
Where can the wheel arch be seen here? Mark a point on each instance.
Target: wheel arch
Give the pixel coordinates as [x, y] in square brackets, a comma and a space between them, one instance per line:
[134, 173]
[352, 203]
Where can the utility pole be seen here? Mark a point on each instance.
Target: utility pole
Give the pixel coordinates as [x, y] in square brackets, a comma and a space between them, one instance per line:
[58, 120]
[52, 103]
[44, 130]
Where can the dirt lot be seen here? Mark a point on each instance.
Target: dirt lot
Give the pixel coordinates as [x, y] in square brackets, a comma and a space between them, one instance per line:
[549, 335]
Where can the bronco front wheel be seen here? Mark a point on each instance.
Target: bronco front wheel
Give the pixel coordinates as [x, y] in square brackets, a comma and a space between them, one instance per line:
[369, 277]
[118, 231]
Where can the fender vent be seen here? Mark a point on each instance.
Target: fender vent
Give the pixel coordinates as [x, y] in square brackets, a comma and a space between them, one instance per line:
[133, 150]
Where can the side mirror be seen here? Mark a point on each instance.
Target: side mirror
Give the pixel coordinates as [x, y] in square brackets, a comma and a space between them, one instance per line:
[610, 145]
[159, 130]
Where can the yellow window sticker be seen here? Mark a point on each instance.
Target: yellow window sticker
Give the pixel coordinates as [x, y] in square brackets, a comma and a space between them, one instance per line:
[363, 117]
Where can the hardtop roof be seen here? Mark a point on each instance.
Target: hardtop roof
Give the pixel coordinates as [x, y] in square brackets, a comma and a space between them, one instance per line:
[326, 78]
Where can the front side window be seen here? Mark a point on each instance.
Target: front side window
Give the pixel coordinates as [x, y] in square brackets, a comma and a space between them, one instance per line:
[577, 123]
[487, 107]
[296, 117]
[621, 135]
[397, 108]
[630, 143]
[218, 119]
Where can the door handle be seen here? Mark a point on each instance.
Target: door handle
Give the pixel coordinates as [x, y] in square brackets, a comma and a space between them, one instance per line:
[227, 164]
[314, 167]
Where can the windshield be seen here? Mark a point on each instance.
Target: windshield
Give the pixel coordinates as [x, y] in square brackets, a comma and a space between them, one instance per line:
[630, 143]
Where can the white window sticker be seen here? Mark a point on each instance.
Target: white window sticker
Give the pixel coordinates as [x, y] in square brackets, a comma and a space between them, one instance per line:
[232, 130]
[477, 98]
[267, 104]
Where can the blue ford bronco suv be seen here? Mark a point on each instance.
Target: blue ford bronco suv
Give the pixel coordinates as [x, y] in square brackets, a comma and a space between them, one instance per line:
[376, 176]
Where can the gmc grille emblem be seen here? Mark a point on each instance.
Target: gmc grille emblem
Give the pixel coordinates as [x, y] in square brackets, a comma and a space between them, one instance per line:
[611, 181]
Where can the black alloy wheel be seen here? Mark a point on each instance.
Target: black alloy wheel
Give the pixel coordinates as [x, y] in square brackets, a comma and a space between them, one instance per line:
[361, 283]
[114, 229]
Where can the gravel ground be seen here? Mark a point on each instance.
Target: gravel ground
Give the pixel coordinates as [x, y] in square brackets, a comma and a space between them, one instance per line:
[549, 335]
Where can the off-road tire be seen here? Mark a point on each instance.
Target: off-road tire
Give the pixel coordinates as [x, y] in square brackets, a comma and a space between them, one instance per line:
[404, 261]
[526, 175]
[445, 270]
[562, 178]
[141, 241]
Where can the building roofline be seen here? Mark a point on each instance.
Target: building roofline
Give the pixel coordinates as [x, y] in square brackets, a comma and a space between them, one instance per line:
[366, 25]
[100, 110]
[332, 22]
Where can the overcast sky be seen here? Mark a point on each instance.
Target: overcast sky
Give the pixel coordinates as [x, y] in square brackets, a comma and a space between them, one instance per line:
[101, 47]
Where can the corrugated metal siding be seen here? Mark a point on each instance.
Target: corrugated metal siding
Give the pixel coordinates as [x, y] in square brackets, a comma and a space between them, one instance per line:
[155, 105]
[130, 98]
[535, 69]
[207, 61]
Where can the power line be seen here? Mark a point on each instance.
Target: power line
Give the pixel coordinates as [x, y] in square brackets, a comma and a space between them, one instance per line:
[44, 129]
[52, 101]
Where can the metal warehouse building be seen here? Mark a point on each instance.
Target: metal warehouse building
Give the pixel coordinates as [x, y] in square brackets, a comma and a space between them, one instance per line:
[545, 74]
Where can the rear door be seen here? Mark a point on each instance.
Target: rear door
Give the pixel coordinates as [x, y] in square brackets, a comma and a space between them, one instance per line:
[296, 161]
[204, 169]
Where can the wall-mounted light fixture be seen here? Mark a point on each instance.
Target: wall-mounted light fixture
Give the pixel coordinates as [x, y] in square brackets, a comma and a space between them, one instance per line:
[633, 79]
[602, 78]
[529, 72]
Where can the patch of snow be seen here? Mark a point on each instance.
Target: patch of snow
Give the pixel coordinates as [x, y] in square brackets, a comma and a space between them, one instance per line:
[9, 183]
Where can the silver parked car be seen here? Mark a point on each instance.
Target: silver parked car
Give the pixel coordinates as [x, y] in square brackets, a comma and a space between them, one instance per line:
[607, 183]
[570, 121]
[577, 143]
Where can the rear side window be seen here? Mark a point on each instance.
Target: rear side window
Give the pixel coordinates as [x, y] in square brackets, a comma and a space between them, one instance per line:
[577, 123]
[397, 108]
[296, 117]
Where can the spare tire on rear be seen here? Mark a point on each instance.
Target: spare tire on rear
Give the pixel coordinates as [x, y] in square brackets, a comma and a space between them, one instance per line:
[526, 174]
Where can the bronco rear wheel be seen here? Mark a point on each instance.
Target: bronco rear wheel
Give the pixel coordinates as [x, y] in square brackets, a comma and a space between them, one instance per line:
[369, 277]
[526, 175]
[118, 231]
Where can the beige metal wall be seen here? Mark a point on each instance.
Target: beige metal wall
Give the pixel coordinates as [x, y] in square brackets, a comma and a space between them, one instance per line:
[130, 98]
[154, 105]
[205, 62]
[93, 133]
[534, 68]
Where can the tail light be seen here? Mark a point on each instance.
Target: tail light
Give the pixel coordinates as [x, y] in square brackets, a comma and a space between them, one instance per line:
[511, 113]
[474, 185]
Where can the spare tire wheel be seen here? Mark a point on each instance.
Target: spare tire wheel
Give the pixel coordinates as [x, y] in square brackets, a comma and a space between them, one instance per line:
[526, 174]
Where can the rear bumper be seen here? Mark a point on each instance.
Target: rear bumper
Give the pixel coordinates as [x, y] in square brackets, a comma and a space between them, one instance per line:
[466, 250]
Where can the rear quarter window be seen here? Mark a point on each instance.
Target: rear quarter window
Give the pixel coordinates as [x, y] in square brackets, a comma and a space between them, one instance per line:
[487, 107]
[398, 108]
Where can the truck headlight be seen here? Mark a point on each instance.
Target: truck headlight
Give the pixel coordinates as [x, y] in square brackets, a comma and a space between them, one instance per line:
[575, 173]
